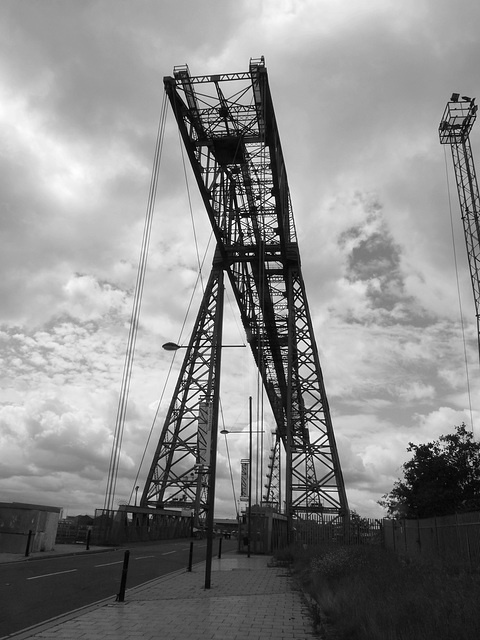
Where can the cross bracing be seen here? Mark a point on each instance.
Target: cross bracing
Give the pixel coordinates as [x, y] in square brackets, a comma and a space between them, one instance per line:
[455, 127]
[228, 126]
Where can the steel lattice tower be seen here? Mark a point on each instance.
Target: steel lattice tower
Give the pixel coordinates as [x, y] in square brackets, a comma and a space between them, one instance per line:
[455, 126]
[228, 126]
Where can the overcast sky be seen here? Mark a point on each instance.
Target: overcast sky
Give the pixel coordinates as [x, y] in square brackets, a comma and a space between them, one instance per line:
[359, 87]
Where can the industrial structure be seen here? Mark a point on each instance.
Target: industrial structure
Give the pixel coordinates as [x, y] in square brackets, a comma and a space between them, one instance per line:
[228, 127]
[455, 126]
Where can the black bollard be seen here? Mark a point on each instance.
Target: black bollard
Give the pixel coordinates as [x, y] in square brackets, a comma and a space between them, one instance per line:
[190, 557]
[121, 594]
[88, 539]
[29, 540]
[220, 548]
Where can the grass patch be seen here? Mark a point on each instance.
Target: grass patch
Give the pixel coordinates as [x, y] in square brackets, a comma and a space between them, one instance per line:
[368, 593]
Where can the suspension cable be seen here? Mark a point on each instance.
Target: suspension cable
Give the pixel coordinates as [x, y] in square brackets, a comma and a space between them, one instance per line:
[198, 280]
[157, 411]
[134, 319]
[458, 288]
[228, 457]
[200, 264]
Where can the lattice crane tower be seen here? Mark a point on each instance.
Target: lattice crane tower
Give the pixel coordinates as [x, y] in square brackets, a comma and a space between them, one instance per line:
[455, 126]
[228, 126]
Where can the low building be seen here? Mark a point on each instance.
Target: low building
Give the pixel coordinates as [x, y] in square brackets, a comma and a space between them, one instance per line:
[19, 522]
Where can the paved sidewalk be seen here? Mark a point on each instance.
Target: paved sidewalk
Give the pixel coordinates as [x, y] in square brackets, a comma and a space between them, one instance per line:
[248, 600]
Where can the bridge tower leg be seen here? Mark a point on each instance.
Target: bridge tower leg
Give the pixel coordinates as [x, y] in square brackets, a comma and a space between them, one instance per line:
[182, 473]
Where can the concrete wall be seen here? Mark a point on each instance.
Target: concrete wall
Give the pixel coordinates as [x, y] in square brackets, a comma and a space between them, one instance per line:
[17, 519]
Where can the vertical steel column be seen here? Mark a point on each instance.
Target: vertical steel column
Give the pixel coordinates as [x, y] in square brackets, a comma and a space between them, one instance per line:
[176, 477]
[455, 127]
[217, 354]
[289, 436]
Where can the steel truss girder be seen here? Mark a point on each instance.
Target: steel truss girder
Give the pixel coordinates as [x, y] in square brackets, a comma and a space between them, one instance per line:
[230, 134]
[317, 483]
[455, 127]
[468, 195]
[180, 471]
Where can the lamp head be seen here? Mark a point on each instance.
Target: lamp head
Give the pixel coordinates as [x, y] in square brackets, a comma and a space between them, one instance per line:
[170, 346]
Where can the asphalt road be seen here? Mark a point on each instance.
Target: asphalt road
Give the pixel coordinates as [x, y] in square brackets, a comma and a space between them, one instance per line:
[35, 591]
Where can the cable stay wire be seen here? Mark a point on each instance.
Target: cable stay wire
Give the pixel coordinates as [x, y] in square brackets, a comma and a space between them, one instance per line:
[231, 477]
[229, 461]
[172, 361]
[134, 319]
[458, 289]
[199, 279]
[199, 263]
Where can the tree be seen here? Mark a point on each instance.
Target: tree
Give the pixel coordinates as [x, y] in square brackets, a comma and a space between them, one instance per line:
[442, 477]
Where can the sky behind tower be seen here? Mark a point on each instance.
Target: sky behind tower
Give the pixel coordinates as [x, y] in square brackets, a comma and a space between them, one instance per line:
[359, 89]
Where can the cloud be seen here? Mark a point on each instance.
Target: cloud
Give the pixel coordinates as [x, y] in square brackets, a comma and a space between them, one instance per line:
[358, 89]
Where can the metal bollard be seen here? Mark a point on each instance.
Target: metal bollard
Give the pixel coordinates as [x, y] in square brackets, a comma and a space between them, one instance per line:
[88, 539]
[220, 548]
[190, 557]
[121, 593]
[29, 540]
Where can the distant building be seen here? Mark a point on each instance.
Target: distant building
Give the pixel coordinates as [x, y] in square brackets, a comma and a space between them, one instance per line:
[74, 529]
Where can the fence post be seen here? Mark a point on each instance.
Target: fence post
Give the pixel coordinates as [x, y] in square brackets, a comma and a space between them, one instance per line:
[190, 557]
[346, 527]
[29, 539]
[460, 553]
[419, 541]
[123, 582]
[468, 552]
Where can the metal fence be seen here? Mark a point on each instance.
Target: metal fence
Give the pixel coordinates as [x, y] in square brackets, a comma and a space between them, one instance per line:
[454, 539]
[267, 528]
[338, 529]
[72, 533]
[135, 524]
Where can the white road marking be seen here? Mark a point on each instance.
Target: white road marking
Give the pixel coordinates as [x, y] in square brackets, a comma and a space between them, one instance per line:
[143, 557]
[46, 575]
[168, 553]
[107, 564]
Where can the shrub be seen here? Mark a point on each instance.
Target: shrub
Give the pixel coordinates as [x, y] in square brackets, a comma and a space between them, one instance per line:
[368, 593]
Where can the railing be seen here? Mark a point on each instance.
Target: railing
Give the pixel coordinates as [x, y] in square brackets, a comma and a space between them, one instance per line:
[135, 524]
[70, 533]
[268, 531]
[345, 530]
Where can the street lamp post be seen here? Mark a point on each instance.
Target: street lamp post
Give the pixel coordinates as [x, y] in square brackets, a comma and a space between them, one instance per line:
[216, 349]
[250, 477]
[250, 434]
